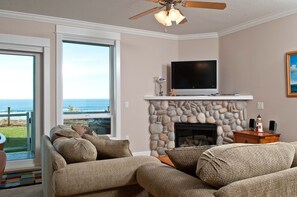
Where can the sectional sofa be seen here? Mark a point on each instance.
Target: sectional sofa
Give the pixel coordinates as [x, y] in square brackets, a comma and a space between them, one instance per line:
[227, 170]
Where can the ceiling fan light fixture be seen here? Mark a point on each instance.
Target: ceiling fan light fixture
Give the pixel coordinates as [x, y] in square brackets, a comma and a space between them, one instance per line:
[161, 17]
[168, 22]
[173, 14]
[180, 19]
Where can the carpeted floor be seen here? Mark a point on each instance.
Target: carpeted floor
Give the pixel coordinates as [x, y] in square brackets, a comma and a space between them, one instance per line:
[20, 179]
[24, 191]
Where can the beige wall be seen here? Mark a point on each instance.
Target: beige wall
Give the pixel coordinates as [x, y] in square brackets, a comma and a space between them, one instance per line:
[253, 62]
[142, 58]
[201, 49]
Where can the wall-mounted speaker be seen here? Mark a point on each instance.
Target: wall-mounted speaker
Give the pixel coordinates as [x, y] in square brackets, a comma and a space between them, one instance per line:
[272, 126]
[252, 124]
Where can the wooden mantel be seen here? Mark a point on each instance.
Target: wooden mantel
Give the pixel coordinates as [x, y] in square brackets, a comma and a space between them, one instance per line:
[204, 98]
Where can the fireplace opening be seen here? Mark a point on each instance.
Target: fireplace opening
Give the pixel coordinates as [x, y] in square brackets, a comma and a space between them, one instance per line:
[195, 134]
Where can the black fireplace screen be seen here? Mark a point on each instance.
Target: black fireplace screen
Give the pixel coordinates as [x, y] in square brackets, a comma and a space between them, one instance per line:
[195, 134]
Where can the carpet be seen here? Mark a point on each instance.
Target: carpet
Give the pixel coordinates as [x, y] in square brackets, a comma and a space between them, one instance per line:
[26, 191]
[20, 179]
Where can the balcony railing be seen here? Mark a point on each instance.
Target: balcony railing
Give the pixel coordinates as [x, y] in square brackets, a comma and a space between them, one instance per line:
[28, 119]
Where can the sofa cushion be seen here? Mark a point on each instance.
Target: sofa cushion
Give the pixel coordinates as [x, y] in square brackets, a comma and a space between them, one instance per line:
[278, 184]
[162, 180]
[75, 149]
[225, 164]
[62, 131]
[185, 158]
[108, 149]
[87, 178]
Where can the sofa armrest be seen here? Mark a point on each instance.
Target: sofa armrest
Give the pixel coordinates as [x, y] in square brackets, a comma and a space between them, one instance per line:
[97, 175]
[51, 160]
[282, 183]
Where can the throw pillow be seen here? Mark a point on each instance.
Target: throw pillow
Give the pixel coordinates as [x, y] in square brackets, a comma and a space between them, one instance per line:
[225, 164]
[75, 149]
[81, 130]
[62, 131]
[109, 149]
[185, 158]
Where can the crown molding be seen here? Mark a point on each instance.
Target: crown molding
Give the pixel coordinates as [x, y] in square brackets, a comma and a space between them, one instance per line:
[102, 27]
[85, 24]
[256, 22]
[140, 32]
[198, 36]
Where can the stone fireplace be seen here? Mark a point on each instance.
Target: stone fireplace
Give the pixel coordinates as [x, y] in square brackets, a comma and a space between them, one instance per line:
[228, 114]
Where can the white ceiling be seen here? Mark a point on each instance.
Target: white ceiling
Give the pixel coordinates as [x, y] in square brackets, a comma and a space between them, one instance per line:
[117, 12]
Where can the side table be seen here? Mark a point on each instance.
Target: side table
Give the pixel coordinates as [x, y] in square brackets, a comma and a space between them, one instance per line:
[254, 137]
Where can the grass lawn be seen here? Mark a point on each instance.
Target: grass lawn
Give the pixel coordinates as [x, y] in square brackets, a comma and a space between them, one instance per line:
[15, 136]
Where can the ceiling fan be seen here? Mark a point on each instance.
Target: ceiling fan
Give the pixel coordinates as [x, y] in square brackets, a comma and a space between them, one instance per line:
[171, 13]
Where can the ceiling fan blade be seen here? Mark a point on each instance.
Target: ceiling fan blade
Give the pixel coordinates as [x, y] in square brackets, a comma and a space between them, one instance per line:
[201, 4]
[154, 1]
[146, 12]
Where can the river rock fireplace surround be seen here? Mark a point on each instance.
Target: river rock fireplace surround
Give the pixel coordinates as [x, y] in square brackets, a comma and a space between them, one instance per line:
[228, 113]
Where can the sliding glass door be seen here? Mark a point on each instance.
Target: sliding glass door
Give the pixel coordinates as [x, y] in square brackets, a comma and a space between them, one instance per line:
[17, 103]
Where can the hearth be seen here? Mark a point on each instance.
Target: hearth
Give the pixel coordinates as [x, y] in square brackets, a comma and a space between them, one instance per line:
[195, 134]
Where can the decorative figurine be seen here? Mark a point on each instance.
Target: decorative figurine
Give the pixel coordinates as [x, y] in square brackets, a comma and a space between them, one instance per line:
[259, 124]
[172, 92]
[160, 80]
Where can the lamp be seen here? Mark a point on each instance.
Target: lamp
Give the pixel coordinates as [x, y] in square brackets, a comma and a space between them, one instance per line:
[170, 14]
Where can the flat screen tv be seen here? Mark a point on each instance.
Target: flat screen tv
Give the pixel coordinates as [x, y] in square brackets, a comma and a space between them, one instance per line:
[194, 77]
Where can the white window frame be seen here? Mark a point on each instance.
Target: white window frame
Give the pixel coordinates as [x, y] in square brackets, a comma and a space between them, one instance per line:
[42, 89]
[89, 36]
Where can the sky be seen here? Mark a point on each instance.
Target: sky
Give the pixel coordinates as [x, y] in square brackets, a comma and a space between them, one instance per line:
[16, 76]
[85, 73]
[293, 68]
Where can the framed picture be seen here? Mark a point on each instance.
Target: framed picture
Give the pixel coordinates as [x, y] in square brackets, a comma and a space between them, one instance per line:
[292, 74]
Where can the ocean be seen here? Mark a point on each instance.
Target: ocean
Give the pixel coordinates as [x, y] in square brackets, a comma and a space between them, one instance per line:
[74, 105]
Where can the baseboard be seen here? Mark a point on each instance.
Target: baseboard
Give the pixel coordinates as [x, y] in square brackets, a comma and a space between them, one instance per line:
[143, 153]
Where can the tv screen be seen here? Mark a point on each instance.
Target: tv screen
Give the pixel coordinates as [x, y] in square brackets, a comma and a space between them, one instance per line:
[194, 77]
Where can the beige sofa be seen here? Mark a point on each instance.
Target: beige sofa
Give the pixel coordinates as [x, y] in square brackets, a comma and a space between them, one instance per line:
[112, 177]
[234, 170]
[258, 172]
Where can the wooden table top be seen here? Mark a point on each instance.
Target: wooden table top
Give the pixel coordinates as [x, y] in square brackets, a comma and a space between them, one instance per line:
[258, 134]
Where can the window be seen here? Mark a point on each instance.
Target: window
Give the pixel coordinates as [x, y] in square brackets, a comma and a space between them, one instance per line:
[87, 85]
[88, 74]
